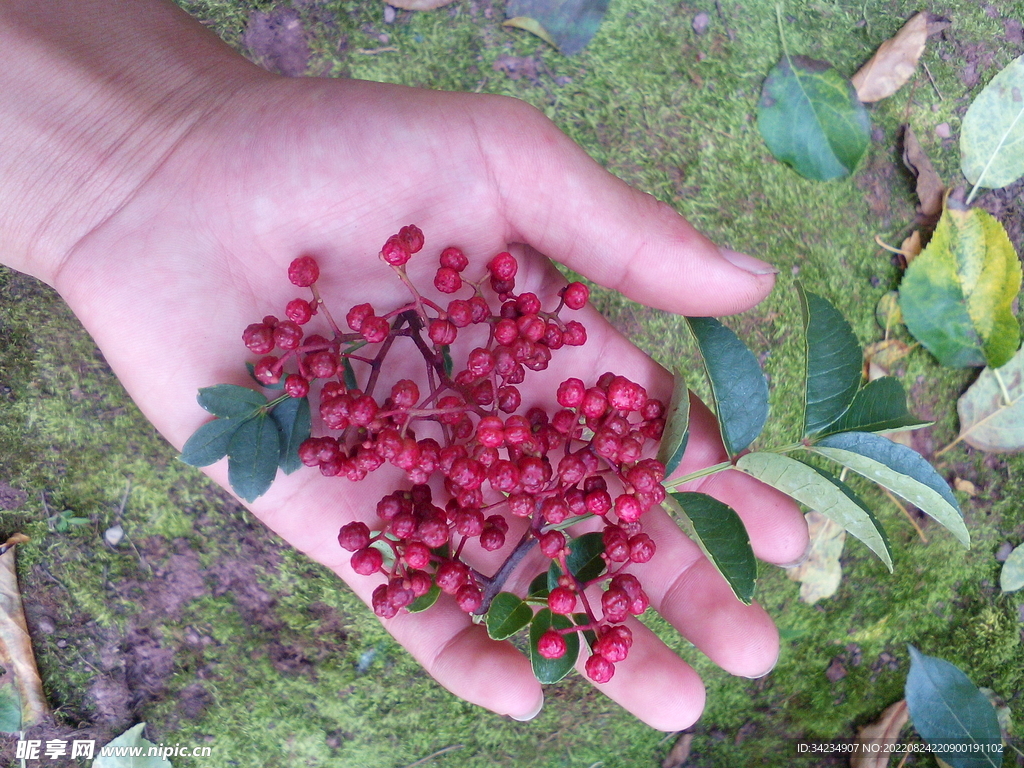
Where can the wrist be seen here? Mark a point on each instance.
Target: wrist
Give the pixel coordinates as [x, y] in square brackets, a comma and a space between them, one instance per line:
[88, 116]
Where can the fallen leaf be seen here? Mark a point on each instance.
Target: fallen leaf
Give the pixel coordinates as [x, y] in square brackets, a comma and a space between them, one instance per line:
[988, 420]
[567, 24]
[810, 118]
[881, 357]
[894, 61]
[1003, 713]
[1011, 577]
[131, 738]
[680, 752]
[16, 654]
[884, 731]
[965, 486]
[992, 133]
[887, 310]
[956, 296]
[930, 188]
[820, 573]
[911, 247]
[113, 535]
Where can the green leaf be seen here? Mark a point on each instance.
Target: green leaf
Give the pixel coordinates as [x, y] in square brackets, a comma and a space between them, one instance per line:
[253, 455]
[293, 424]
[834, 360]
[569, 24]
[811, 119]
[507, 615]
[252, 373]
[131, 738]
[1011, 577]
[900, 469]
[948, 710]
[423, 602]
[738, 385]
[349, 374]
[230, 400]
[552, 670]
[584, 559]
[677, 427]
[539, 586]
[821, 492]
[10, 708]
[446, 355]
[956, 296]
[210, 442]
[990, 419]
[992, 133]
[880, 406]
[719, 532]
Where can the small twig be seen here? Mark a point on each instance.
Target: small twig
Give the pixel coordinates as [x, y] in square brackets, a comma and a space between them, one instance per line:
[497, 581]
[941, 451]
[1007, 400]
[904, 760]
[423, 760]
[725, 23]
[907, 514]
[932, 81]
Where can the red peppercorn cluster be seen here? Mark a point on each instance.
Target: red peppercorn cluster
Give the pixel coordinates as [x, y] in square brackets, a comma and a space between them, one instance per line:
[460, 429]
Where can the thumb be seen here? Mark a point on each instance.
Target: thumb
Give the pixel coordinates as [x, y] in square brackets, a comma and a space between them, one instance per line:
[558, 200]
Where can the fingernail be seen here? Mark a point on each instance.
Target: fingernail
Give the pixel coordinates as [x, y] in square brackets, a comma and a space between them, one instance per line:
[748, 263]
[766, 672]
[532, 713]
[800, 560]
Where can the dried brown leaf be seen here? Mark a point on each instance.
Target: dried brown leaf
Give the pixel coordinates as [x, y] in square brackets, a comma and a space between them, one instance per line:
[680, 752]
[894, 61]
[820, 573]
[885, 730]
[16, 646]
[965, 485]
[881, 357]
[911, 247]
[929, 186]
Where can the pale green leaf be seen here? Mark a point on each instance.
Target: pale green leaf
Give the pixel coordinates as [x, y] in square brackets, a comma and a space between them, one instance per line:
[991, 419]
[956, 296]
[900, 469]
[10, 708]
[821, 492]
[811, 119]
[1011, 577]
[127, 740]
[992, 133]
[677, 427]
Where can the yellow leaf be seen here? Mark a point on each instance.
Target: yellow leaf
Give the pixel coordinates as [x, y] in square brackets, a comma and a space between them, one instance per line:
[911, 247]
[894, 61]
[16, 646]
[820, 573]
[533, 26]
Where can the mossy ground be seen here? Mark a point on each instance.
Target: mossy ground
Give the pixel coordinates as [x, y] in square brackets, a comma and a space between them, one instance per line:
[211, 630]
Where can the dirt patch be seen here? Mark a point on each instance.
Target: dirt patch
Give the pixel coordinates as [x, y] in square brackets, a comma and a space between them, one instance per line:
[1007, 205]
[10, 497]
[277, 41]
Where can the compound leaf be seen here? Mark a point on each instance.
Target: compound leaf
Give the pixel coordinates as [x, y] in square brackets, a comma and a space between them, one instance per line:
[990, 419]
[834, 360]
[507, 615]
[992, 134]
[719, 532]
[677, 427]
[210, 442]
[900, 469]
[552, 670]
[880, 406]
[822, 492]
[948, 709]
[956, 295]
[811, 119]
[253, 456]
[293, 422]
[230, 400]
[738, 386]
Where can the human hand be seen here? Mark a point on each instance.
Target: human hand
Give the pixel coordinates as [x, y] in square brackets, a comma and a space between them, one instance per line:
[167, 281]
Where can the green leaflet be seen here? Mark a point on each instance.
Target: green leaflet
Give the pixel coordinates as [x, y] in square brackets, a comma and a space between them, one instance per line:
[821, 492]
[210, 442]
[423, 602]
[293, 422]
[988, 420]
[956, 295]
[719, 532]
[584, 559]
[948, 709]
[507, 615]
[738, 385]
[253, 456]
[677, 427]
[1011, 576]
[834, 360]
[900, 469]
[811, 119]
[992, 133]
[230, 400]
[879, 406]
[552, 670]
